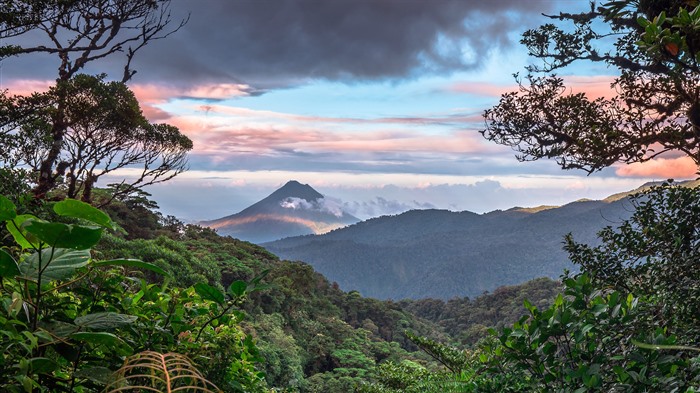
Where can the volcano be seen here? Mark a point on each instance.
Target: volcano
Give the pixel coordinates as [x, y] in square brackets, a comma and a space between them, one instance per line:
[295, 209]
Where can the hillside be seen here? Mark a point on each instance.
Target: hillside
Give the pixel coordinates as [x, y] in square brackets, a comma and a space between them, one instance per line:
[443, 254]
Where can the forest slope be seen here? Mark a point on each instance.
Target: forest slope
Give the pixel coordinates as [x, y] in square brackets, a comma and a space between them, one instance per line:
[443, 254]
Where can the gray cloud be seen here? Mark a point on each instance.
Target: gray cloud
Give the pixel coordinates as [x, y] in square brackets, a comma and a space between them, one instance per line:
[286, 40]
[279, 43]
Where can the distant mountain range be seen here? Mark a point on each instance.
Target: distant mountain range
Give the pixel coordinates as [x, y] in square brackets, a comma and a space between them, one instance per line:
[293, 210]
[443, 254]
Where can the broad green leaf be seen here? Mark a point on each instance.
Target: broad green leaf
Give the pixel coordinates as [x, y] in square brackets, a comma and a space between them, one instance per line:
[98, 338]
[134, 263]
[60, 235]
[42, 365]
[78, 209]
[7, 209]
[8, 265]
[60, 329]
[62, 263]
[16, 227]
[208, 292]
[237, 288]
[104, 320]
[109, 340]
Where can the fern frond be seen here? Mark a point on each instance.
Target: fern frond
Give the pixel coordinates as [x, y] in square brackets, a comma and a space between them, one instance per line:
[150, 371]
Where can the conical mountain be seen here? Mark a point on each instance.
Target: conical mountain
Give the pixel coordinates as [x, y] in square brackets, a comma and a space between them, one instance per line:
[294, 209]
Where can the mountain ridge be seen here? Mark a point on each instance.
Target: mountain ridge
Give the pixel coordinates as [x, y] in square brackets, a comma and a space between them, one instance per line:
[442, 254]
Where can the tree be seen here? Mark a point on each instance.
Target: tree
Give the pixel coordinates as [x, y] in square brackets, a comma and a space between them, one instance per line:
[79, 32]
[104, 131]
[655, 45]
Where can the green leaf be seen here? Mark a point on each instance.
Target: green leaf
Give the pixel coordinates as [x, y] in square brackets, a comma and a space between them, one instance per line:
[134, 263]
[98, 338]
[109, 340]
[60, 329]
[62, 263]
[104, 320]
[60, 235]
[237, 288]
[208, 292]
[16, 227]
[78, 209]
[8, 211]
[8, 265]
[42, 365]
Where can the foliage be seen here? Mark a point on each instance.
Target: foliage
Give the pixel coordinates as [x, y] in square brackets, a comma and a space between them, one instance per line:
[654, 46]
[654, 253]
[584, 343]
[67, 320]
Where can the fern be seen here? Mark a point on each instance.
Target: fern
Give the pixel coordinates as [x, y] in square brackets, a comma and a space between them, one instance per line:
[150, 371]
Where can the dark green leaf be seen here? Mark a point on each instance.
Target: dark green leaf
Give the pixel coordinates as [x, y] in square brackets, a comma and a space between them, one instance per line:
[109, 340]
[42, 365]
[237, 288]
[104, 320]
[62, 263]
[8, 265]
[208, 292]
[78, 209]
[60, 329]
[134, 263]
[65, 235]
[7, 209]
[98, 338]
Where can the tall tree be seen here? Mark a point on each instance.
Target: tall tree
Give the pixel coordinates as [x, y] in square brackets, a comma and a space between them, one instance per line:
[655, 45]
[79, 32]
[105, 131]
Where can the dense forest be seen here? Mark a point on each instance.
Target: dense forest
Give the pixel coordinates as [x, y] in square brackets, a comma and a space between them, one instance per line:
[102, 293]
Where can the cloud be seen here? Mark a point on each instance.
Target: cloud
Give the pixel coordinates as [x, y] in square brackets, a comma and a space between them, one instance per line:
[319, 205]
[380, 206]
[296, 40]
[593, 86]
[24, 87]
[667, 168]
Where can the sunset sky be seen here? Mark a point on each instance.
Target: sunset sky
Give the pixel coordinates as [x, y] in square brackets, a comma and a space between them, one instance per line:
[375, 103]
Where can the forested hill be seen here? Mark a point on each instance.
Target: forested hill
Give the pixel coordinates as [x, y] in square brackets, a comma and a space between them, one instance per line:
[443, 254]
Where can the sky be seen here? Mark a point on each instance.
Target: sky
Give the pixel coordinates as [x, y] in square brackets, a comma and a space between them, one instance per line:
[377, 104]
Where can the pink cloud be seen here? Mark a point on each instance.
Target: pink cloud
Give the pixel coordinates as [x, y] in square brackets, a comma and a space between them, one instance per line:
[458, 118]
[667, 168]
[592, 86]
[481, 88]
[152, 95]
[268, 139]
[24, 87]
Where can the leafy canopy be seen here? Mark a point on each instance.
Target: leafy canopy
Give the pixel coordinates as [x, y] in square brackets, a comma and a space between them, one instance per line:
[655, 46]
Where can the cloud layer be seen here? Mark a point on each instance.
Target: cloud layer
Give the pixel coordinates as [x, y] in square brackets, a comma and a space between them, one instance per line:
[285, 42]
